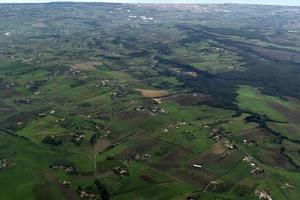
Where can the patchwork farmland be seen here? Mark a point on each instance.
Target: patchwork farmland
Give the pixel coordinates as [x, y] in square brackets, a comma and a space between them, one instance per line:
[141, 101]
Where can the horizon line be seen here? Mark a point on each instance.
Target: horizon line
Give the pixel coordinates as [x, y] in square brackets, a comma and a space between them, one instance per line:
[178, 3]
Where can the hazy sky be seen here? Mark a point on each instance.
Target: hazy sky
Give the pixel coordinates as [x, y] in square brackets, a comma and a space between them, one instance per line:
[275, 2]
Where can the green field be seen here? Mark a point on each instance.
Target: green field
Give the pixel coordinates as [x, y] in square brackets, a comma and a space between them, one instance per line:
[140, 101]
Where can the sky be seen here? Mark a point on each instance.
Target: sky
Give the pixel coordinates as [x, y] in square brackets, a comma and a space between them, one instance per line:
[273, 2]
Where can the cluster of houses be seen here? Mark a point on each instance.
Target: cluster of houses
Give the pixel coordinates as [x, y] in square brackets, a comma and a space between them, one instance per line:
[41, 115]
[67, 168]
[212, 49]
[121, 91]
[121, 171]
[85, 116]
[4, 163]
[191, 74]
[262, 194]
[66, 183]
[61, 120]
[52, 112]
[51, 74]
[165, 130]
[214, 134]
[154, 109]
[107, 133]
[10, 85]
[77, 138]
[102, 83]
[209, 50]
[245, 141]
[140, 109]
[230, 145]
[287, 186]
[292, 31]
[44, 114]
[86, 195]
[181, 123]
[29, 60]
[100, 126]
[74, 71]
[23, 101]
[138, 157]
[31, 85]
[6, 108]
[204, 125]
[177, 126]
[144, 18]
[116, 95]
[179, 71]
[235, 68]
[255, 170]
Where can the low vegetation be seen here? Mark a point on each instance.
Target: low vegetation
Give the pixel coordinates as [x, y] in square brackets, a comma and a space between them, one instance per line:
[139, 101]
